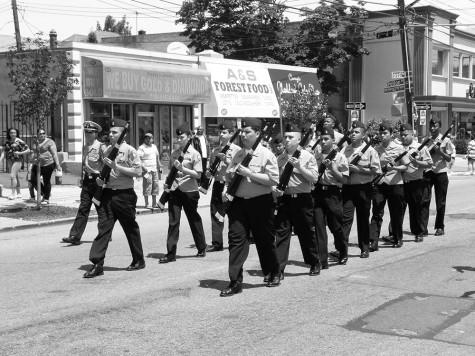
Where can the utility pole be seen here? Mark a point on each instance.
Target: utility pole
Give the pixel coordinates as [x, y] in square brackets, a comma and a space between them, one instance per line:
[405, 60]
[17, 25]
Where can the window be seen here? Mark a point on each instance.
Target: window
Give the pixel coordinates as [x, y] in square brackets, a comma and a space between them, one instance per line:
[465, 66]
[456, 65]
[438, 61]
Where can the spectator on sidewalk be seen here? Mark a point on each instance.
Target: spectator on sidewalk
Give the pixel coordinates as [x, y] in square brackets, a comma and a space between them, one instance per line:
[471, 156]
[48, 161]
[151, 168]
[453, 155]
[15, 149]
[92, 158]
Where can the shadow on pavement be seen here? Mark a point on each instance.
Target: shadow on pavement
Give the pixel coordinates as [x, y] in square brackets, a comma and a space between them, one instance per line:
[106, 268]
[220, 284]
[462, 269]
[160, 255]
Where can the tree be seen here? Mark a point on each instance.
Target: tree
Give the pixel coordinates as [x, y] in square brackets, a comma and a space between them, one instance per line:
[112, 25]
[239, 29]
[327, 37]
[42, 78]
[91, 37]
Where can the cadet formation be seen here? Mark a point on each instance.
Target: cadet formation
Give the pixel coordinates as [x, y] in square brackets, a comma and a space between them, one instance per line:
[316, 177]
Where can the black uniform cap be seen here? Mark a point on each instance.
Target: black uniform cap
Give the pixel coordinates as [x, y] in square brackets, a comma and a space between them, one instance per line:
[359, 124]
[118, 123]
[252, 122]
[329, 132]
[405, 127]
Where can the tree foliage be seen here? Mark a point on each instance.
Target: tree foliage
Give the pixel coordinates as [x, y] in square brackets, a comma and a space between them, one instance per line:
[239, 29]
[41, 77]
[112, 25]
[327, 36]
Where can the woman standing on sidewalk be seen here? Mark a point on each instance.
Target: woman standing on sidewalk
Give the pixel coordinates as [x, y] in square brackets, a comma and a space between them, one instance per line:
[471, 156]
[15, 149]
[48, 160]
[151, 168]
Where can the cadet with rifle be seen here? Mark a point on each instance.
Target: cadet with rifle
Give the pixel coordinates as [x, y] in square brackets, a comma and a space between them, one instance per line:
[357, 190]
[415, 187]
[220, 157]
[186, 168]
[436, 175]
[116, 200]
[295, 206]
[327, 198]
[250, 177]
[388, 187]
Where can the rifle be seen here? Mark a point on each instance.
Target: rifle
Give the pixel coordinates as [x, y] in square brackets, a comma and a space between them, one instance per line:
[237, 179]
[289, 168]
[380, 176]
[438, 143]
[317, 142]
[106, 170]
[212, 170]
[360, 154]
[172, 176]
[331, 156]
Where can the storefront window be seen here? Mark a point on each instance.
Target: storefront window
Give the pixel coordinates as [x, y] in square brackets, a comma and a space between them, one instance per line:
[438, 61]
[146, 121]
[465, 66]
[456, 65]
[181, 116]
[101, 113]
[164, 115]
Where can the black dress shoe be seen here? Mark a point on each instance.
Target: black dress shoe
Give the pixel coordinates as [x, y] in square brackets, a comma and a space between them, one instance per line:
[324, 265]
[343, 260]
[95, 271]
[314, 270]
[439, 232]
[166, 259]
[373, 246]
[274, 281]
[399, 244]
[364, 254]
[233, 288]
[419, 238]
[267, 278]
[71, 240]
[134, 266]
[214, 248]
[201, 254]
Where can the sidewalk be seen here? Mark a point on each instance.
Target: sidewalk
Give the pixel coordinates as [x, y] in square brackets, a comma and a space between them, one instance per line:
[66, 195]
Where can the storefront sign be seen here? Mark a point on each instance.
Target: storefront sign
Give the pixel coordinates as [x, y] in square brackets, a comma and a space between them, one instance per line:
[241, 91]
[287, 82]
[144, 81]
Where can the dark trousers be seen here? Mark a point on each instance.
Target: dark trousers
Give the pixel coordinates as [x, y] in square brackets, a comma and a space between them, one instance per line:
[117, 205]
[188, 201]
[357, 197]
[46, 172]
[297, 212]
[256, 216]
[204, 164]
[440, 182]
[414, 192]
[217, 214]
[328, 209]
[394, 195]
[89, 187]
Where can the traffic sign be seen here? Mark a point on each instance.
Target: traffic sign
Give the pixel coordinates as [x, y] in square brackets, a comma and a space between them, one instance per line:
[398, 74]
[421, 106]
[395, 85]
[422, 117]
[355, 106]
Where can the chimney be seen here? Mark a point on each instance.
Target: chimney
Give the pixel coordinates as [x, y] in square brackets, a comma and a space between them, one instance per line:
[141, 32]
[53, 39]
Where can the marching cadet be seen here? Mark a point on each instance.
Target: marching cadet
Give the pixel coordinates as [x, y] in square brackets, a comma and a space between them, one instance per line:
[436, 176]
[185, 195]
[92, 156]
[295, 208]
[357, 191]
[216, 203]
[331, 122]
[118, 202]
[278, 145]
[389, 188]
[415, 187]
[327, 198]
[252, 209]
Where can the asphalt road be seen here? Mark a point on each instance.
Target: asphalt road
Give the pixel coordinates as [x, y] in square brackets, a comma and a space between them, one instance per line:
[417, 300]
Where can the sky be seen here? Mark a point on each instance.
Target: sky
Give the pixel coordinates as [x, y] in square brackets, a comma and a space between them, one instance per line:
[69, 17]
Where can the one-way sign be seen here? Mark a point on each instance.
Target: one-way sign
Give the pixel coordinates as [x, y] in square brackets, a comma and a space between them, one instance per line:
[355, 106]
[421, 106]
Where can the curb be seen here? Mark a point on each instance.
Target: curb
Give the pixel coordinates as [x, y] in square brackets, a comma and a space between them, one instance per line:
[33, 224]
